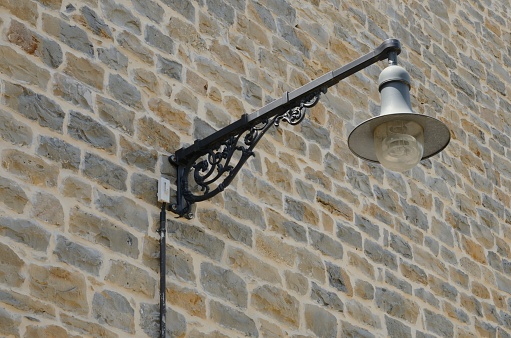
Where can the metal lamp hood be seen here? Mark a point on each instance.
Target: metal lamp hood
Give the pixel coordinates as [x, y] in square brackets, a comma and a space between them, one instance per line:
[394, 87]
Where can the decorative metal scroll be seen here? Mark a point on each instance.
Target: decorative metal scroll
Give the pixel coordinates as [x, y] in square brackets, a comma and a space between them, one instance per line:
[296, 114]
[214, 170]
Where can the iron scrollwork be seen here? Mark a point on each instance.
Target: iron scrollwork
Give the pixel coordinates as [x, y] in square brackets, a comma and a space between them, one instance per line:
[213, 169]
[296, 114]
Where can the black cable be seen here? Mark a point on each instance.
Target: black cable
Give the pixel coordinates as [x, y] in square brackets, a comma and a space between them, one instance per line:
[163, 248]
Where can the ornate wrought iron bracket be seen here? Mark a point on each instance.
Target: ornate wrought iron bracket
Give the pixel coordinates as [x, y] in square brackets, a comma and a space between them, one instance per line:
[213, 162]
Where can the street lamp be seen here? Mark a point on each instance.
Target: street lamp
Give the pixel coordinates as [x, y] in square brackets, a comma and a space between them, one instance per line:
[397, 138]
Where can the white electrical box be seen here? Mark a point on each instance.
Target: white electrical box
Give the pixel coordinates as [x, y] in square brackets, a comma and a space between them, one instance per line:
[163, 190]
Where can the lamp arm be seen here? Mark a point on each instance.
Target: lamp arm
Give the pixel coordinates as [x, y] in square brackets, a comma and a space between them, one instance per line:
[210, 158]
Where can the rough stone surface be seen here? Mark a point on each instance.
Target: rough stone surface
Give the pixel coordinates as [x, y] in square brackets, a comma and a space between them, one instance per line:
[169, 68]
[86, 259]
[438, 324]
[252, 266]
[179, 264]
[278, 303]
[364, 289]
[150, 323]
[296, 282]
[379, 255]
[386, 300]
[197, 239]
[96, 23]
[48, 50]
[144, 188]
[73, 91]
[224, 284]
[26, 232]
[113, 58]
[150, 9]
[319, 321]
[223, 225]
[190, 300]
[12, 195]
[350, 330]
[53, 4]
[105, 172]
[77, 189]
[115, 310]
[159, 40]
[60, 151]
[61, 287]
[184, 8]
[87, 327]
[397, 282]
[363, 314]
[121, 16]
[310, 265]
[103, 232]
[300, 211]
[29, 168]
[349, 235]
[325, 244]
[9, 323]
[34, 106]
[276, 222]
[268, 195]
[19, 67]
[273, 248]
[85, 71]
[132, 278]
[116, 115]
[137, 155]
[156, 135]
[243, 208]
[14, 131]
[134, 46]
[326, 298]
[88, 130]
[11, 265]
[48, 331]
[233, 319]
[146, 79]
[334, 206]
[124, 210]
[339, 279]
[25, 10]
[125, 92]
[73, 36]
[307, 240]
[397, 329]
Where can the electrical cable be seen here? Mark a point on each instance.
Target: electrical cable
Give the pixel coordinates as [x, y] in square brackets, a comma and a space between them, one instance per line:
[163, 280]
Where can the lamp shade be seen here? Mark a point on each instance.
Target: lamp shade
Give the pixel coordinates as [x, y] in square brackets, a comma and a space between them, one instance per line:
[430, 135]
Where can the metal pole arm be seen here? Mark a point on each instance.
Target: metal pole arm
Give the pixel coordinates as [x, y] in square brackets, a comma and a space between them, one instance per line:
[218, 149]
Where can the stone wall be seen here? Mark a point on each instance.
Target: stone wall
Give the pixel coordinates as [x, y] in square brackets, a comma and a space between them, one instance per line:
[308, 240]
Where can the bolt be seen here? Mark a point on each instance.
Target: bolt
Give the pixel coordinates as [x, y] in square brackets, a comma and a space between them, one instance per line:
[173, 207]
[190, 215]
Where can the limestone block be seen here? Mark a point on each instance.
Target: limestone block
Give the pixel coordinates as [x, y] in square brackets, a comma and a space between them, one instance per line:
[103, 232]
[114, 309]
[32, 169]
[66, 289]
[11, 264]
[60, 151]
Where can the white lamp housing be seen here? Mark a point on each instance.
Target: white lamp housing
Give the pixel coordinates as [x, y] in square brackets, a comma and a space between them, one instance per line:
[398, 138]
